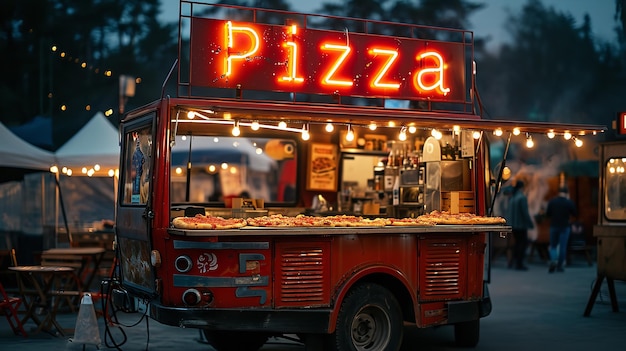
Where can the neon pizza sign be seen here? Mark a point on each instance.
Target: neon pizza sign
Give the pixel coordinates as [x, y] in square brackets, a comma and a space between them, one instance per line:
[228, 54]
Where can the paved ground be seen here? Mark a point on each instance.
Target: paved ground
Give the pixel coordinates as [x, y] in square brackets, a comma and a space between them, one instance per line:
[533, 310]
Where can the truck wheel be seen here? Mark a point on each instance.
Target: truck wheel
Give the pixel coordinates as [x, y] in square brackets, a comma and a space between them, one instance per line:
[467, 334]
[235, 341]
[370, 319]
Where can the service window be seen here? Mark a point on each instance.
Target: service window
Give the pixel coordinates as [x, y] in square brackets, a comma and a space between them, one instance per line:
[215, 169]
[615, 189]
[138, 163]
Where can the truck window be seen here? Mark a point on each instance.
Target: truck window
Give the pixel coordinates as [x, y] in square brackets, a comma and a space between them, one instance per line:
[615, 189]
[138, 163]
[215, 169]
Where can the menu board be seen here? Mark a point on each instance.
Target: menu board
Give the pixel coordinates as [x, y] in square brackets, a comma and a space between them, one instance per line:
[322, 167]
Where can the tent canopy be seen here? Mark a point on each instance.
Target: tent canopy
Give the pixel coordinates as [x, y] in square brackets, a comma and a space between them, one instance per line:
[96, 143]
[17, 153]
[206, 150]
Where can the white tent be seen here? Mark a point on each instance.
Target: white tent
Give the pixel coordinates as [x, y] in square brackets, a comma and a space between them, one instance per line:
[96, 143]
[17, 153]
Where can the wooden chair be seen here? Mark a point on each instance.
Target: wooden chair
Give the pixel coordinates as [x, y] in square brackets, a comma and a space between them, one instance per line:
[9, 307]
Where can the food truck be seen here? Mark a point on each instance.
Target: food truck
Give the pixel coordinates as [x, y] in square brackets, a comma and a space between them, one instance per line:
[610, 231]
[314, 176]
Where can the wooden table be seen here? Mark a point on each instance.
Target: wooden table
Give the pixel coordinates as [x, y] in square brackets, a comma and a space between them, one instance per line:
[42, 287]
[85, 260]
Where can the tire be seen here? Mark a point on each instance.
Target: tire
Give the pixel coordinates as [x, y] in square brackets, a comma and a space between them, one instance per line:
[467, 334]
[235, 340]
[370, 319]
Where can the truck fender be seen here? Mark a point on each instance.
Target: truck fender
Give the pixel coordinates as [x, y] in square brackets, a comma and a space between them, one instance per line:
[388, 277]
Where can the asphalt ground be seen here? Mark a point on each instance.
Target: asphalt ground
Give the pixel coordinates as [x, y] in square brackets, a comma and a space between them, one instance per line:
[532, 310]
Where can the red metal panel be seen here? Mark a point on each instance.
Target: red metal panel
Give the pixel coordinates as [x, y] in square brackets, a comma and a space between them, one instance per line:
[302, 274]
[442, 268]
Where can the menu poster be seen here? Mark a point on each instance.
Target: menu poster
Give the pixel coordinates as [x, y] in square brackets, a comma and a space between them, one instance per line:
[322, 167]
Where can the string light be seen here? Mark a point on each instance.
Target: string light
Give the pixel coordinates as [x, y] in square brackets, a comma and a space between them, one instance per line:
[529, 141]
[550, 134]
[476, 135]
[578, 142]
[516, 131]
[282, 124]
[329, 127]
[372, 126]
[255, 125]
[497, 132]
[567, 135]
[412, 129]
[236, 131]
[402, 135]
[305, 132]
[349, 134]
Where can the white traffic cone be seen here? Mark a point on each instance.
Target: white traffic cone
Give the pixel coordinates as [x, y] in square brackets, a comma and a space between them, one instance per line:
[86, 331]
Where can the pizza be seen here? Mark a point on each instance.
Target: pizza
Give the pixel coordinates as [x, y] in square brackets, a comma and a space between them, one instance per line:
[411, 222]
[445, 217]
[200, 221]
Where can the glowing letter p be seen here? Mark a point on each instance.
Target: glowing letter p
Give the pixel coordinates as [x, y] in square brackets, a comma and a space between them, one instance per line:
[254, 47]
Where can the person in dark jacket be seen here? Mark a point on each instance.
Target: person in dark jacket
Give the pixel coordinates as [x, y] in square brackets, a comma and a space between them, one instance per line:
[559, 210]
[519, 220]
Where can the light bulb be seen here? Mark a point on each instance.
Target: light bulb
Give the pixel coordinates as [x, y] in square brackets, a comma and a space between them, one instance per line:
[402, 135]
[497, 132]
[255, 125]
[550, 134]
[476, 135]
[305, 133]
[529, 142]
[412, 129]
[578, 143]
[329, 127]
[372, 126]
[567, 135]
[236, 131]
[516, 131]
[349, 134]
[282, 125]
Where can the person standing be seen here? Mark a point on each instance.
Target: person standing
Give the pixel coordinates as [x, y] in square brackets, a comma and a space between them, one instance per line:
[519, 220]
[559, 210]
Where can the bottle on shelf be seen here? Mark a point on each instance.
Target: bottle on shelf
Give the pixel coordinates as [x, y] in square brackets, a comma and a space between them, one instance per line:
[396, 191]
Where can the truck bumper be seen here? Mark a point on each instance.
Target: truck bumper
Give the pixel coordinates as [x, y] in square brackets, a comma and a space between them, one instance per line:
[465, 311]
[267, 320]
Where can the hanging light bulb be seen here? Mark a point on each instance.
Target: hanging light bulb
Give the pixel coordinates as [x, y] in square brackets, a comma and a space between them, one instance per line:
[550, 134]
[476, 135]
[391, 124]
[282, 125]
[412, 129]
[529, 141]
[578, 142]
[438, 135]
[567, 135]
[191, 115]
[255, 125]
[516, 131]
[456, 129]
[349, 134]
[236, 131]
[305, 132]
[402, 135]
[329, 127]
[497, 132]
[372, 126]
[434, 132]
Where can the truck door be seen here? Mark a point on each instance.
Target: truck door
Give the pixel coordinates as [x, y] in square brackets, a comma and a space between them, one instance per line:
[134, 208]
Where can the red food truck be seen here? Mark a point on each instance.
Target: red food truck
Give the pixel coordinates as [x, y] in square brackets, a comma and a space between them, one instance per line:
[334, 176]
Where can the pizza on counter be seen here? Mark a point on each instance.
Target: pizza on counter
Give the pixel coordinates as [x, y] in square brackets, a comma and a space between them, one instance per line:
[445, 217]
[200, 221]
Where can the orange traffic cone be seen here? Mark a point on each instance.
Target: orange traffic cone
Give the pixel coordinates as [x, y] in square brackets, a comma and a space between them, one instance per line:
[86, 331]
